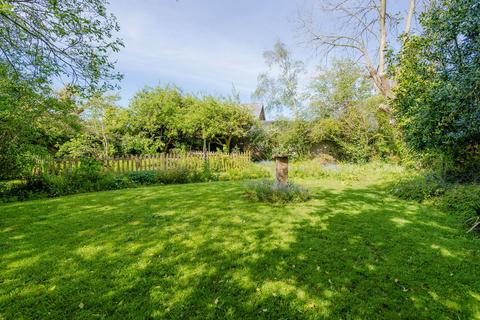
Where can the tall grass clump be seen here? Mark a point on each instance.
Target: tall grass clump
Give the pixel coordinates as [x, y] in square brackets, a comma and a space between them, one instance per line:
[454, 198]
[419, 187]
[270, 191]
[463, 200]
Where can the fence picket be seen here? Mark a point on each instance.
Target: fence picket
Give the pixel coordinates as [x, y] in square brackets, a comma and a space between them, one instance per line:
[159, 162]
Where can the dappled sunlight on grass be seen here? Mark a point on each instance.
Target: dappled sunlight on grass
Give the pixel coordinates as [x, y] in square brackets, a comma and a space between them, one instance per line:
[203, 251]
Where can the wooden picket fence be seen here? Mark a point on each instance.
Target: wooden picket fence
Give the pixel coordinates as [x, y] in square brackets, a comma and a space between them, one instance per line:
[152, 162]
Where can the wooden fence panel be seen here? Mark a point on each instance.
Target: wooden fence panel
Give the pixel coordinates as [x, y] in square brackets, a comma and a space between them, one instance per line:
[151, 162]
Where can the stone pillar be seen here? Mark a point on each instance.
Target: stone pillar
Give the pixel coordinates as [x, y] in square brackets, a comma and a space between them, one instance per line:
[281, 169]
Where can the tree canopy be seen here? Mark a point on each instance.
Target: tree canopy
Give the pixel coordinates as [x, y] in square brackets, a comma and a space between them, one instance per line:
[437, 96]
[279, 87]
[72, 41]
[333, 88]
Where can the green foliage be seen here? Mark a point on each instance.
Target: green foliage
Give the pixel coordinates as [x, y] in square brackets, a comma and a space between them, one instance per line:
[358, 133]
[308, 169]
[217, 120]
[260, 143]
[33, 121]
[81, 146]
[464, 200]
[90, 176]
[156, 114]
[143, 177]
[115, 182]
[270, 191]
[454, 198]
[281, 137]
[159, 119]
[419, 188]
[345, 82]
[351, 252]
[437, 96]
[181, 175]
[87, 177]
[252, 171]
[72, 40]
[278, 87]
[290, 138]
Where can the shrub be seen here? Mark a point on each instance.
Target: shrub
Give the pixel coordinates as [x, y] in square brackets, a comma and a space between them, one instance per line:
[464, 200]
[87, 177]
[142, 177]
[35, 187]
[180, 175]
[419, 188]
[114, 182]
[206, 174]
[270, 191]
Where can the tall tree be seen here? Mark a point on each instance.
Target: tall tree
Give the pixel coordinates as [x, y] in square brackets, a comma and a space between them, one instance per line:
[70, 41]
[333, 88]
[32, 122]
[278, 88]
[98, 108]
[409, 18]
[232, 121]
[437, 99]
[364, 27]
[156, 115]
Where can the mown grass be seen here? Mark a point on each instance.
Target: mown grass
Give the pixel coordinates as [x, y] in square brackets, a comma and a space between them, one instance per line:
[203, 251]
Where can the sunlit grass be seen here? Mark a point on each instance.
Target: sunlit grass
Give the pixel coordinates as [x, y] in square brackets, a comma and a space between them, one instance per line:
[204, 251]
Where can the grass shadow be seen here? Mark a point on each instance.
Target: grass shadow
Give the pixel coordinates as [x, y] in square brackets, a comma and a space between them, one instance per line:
[202, 251]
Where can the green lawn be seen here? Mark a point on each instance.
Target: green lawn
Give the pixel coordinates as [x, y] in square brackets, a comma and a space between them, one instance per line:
[202, 251]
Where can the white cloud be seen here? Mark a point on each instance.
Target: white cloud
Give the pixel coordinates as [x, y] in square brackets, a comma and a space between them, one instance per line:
[168, 50]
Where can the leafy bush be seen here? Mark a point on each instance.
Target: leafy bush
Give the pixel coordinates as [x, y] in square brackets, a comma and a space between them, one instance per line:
[181, 175]
[419, 188]
[358, 133]
[142, 177]
[281, 137]
[453, 198]
[51, 185]
[465, 200]
[115, 182]
[270, 191]
[85, 178]
[436, 91]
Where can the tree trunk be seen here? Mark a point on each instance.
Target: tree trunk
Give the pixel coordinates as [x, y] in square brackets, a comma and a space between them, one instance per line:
[204, 148]
[411, 12]
[281, 171]
[383, 42]
[227, 144]
[204, 137]
[105, 140]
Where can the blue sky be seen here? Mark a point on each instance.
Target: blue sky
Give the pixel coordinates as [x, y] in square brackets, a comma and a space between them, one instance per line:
[207, 46]
[202, 46]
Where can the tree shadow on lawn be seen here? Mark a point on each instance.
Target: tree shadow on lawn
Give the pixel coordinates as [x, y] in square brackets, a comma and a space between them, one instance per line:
[201, 251]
